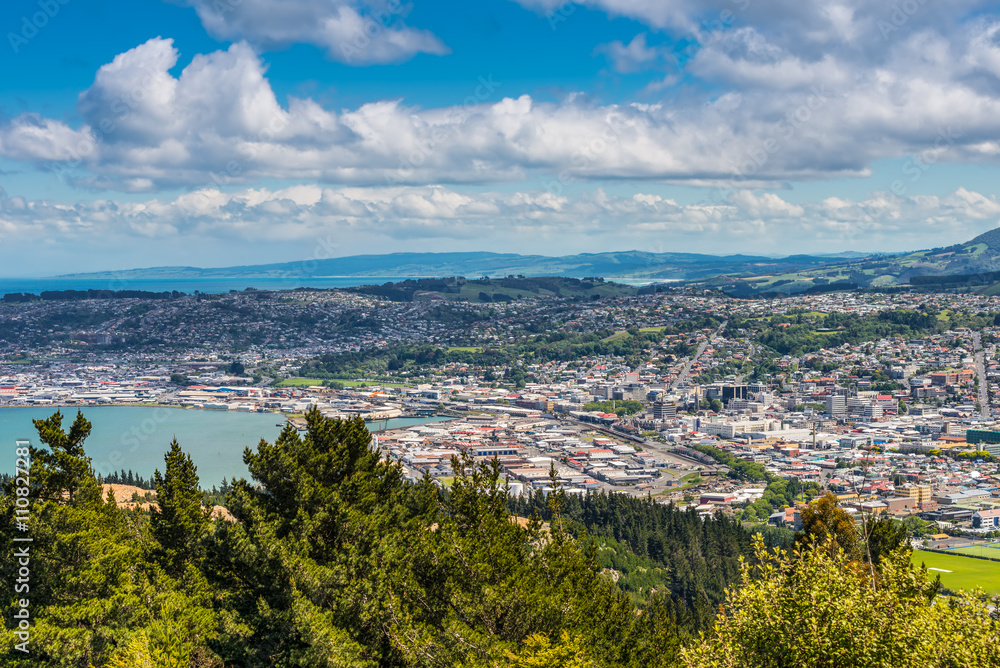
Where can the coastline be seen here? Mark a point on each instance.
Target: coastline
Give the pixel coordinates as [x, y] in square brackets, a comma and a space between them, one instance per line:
[287, 416]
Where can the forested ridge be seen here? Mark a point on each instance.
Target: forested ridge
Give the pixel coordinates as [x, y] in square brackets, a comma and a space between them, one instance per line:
[332, 559]
[700, 556]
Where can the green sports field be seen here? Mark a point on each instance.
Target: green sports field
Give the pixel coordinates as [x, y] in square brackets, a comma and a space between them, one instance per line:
[300, 382]
[991, 550]
[965, 572]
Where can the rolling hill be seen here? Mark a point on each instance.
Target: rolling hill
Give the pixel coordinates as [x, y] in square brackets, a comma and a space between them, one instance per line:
[973, 265]
[626, 264]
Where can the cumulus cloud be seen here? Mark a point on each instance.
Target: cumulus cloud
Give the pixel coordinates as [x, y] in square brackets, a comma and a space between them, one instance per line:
[824, 101]
[742, 222]
[356, 32]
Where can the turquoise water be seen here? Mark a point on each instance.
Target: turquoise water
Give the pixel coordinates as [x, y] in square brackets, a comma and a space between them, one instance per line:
[137, 437]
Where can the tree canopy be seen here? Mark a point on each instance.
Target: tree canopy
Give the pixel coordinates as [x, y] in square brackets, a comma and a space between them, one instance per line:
[331, 558]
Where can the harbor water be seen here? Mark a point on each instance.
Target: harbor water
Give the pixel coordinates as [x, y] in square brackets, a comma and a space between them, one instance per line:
[137, 437]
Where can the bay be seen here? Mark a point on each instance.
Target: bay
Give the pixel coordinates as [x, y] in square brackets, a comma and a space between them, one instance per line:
[189, 285]
[137, 437]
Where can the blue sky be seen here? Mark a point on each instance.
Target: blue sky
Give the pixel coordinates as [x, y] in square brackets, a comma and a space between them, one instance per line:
[218, 132]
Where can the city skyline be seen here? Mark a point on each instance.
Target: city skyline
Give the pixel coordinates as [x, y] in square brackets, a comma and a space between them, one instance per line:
[219, 133]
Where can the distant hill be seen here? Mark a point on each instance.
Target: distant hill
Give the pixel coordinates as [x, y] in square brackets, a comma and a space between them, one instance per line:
[973, 265]
[498, 289]
[624, 264]
[973, 261]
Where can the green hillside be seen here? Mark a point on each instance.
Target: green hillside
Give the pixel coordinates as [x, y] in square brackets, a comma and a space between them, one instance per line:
[970, 266]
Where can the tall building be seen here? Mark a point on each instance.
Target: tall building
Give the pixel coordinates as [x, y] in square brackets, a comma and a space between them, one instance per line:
[734, 392]
[664, 411]
[836, 405]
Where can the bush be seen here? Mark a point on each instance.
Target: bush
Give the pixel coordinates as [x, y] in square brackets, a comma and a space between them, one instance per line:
[816, 607]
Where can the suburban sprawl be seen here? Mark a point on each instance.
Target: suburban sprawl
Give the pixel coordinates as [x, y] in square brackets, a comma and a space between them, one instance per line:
[694, 398]
[680, 433]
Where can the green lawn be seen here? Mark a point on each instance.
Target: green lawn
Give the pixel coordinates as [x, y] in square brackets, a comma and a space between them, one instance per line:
[299, 382]
[966, 572]
[991, 550]
[617, 335]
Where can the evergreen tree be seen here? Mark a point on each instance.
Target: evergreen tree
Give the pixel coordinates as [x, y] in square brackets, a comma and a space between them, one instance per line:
[94, 586]
[179, 521]
[64, 469]
[884, 536]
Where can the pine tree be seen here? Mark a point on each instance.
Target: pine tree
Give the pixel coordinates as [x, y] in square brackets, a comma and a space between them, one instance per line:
[63, 469]
[94, 584]
[179, 521]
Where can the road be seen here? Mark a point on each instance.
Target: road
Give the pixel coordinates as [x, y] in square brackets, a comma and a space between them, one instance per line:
[747, 358]
[682, 376]
[984, 397]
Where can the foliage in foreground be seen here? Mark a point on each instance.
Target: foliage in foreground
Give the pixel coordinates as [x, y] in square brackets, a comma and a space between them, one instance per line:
[818, 607]
[334, 560]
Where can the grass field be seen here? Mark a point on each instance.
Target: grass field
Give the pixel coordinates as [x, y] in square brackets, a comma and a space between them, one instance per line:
[991, 550]
[966, 573]
[617, 335]
[299, 382]
[369, 383]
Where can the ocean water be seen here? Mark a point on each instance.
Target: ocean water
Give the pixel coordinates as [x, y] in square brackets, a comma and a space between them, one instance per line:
[206, 285]
[217, 285]
[137, 437]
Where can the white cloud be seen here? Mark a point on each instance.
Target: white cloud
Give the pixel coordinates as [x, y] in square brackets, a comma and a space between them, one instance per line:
[444, 219]
[631, 57]
[356, 32]
[782, 106]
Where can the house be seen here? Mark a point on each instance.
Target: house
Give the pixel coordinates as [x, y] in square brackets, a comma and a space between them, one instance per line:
[789, 517]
